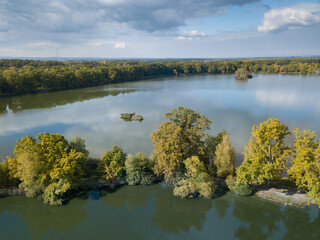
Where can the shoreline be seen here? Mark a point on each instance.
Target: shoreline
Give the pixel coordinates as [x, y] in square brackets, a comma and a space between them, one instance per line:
[281, 196]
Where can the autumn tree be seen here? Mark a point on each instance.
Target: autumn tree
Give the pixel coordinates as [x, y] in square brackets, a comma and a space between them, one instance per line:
[112, 165]
[178, 139]
[139, 170]
[305, 169]
[196, 180]
[77, 143]
[47, 167]
[265, 155]
[225, 158]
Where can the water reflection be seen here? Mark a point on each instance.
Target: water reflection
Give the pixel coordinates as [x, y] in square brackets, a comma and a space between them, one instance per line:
[92, 114]
[260, 219]
[40, 219]
[174, 214]
[130, 197]
[50, 100]
[139, 212]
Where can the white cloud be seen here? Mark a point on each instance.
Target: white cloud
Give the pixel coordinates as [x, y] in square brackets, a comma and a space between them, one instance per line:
[306, 14]
[193, 33]
[96, 44]
[42, 44]
[189, 35]
[120, 45]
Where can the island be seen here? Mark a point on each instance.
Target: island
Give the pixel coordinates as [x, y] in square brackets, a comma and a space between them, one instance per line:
[242, 74]
[131, 117]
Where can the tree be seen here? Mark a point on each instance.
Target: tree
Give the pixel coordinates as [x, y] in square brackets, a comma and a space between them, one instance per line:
[196, 181]
[225, 158]
[178, 139]
[242, 74]
[265, 154]
[77, 143]
[5, 179]
[211, 144]
[305, 169]
[139, 170]
[47, 167]
[112, 165]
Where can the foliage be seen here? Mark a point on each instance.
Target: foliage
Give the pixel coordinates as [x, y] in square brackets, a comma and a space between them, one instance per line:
[305, 169]
[26, 76]
[211, 144]
[5, 179]
[77, 143]
[265, 154]
[112, 165]
[47, 167]
[139, 170]
[242, 74]
[231, 182]
[131, 117]
[243, 189]
[197, 181]
[225, 158]
[178, 139]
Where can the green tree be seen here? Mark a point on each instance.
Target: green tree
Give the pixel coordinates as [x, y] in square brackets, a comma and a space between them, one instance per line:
[265, 155]
[139, 170]
[112, 165]
[5, 179]
[196, 181]
[225, 158]
[178, 139]
[211, 144]
[47, 167]
[77, 143]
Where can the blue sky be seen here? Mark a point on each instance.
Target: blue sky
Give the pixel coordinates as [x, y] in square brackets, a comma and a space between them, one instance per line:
[159, 28]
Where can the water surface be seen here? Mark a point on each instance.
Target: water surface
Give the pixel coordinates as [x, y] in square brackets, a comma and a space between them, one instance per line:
[153, 212]
[93, 113]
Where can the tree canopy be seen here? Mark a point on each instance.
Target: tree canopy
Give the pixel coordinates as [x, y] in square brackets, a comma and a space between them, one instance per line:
[265, 155]
[112, 165]
[196, 180]
[47, 167]
[178, 139]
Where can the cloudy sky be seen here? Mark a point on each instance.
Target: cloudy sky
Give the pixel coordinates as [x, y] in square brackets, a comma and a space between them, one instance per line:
[159, 28]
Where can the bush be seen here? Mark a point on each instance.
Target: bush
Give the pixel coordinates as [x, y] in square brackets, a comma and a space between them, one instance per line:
[138, 169]
[243, 189]
[112, 166]
[197, 180]
[231, 182]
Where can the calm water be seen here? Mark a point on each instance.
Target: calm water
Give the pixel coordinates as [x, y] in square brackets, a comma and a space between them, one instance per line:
[137, 212]
[152, 212]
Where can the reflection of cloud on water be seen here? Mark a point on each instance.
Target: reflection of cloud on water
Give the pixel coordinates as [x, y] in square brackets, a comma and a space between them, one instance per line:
[289, 99]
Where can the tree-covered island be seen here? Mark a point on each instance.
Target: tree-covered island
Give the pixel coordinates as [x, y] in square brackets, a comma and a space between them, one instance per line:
[197, 164]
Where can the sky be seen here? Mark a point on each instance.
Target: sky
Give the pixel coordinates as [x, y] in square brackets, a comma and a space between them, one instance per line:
[159, 28]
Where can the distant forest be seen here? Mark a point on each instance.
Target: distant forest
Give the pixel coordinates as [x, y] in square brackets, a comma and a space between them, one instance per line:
[29, 76]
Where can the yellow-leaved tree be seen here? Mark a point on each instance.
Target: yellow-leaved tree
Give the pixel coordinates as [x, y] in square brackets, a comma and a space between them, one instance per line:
[305, 169]
[225, 159]
[47, 167]
[265, 155]
[179, 138]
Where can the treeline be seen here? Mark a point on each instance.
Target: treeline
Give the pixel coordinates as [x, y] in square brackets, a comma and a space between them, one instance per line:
[197, 164]
[27, 76]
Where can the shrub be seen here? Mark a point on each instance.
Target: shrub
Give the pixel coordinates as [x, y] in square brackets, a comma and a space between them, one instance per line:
[139, 170]
[231, 182]
[112, 166]
[243, 189]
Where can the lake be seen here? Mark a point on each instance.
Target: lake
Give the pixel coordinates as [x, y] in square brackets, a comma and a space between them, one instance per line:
[152, 212]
